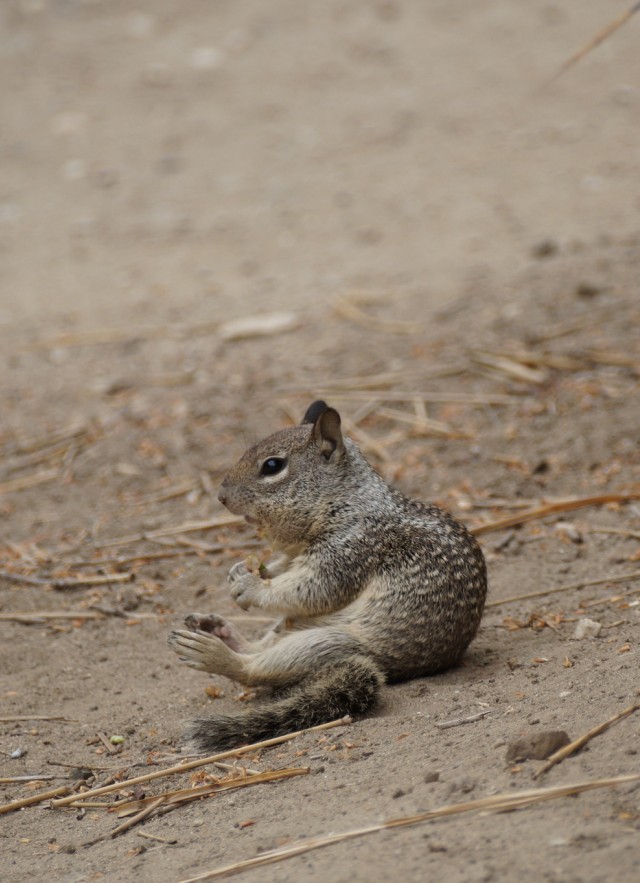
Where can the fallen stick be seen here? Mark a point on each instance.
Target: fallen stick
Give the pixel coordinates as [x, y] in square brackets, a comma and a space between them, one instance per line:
[566, 588]
[459, 721]
[37, 717]
[359, 394]
[35, 798]
[185, 795]
[16, 780]
[26, 481]
[611, 599]
[194, 764]
[139, 817]
[156, 839]
[44, 615]
[553, 509]
[498, 802]
[597, 39]
[502, 364]
[347, 309]
[140, 558]
[634, 534]
[423, 425]
[56, 583]
[27, 445]
[579, 743]
[187, 527]
[191, 547]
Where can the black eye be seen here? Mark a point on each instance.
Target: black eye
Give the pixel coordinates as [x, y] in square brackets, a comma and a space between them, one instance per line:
[273, 465]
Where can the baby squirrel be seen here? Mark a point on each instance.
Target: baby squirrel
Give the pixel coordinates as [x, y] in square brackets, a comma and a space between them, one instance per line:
[370, 586]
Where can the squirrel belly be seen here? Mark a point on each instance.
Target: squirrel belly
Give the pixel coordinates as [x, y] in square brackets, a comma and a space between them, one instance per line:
[369, 587]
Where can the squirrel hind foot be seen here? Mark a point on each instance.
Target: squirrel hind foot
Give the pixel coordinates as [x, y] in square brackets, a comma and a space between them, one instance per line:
[348, 687]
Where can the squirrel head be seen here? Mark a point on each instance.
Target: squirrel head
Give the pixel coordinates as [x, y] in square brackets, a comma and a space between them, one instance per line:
[289, 482]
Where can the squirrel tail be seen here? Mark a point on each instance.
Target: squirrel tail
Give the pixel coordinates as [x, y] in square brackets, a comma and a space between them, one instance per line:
[347, 687]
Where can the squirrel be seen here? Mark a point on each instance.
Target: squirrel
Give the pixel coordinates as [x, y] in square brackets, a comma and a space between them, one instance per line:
[371, 587]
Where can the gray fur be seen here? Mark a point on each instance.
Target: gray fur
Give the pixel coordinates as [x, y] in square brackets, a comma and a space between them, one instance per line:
[361, 573]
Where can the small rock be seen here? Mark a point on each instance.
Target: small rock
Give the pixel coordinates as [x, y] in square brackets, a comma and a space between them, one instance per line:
[431, 776]
[587, 628]
[139, 25]
[75, 169]
[545, 248]
[17, 753]
[538, 746]
[398, 793]
[80, 774]
[570, 531]
[465, 786]
[206, 58]
[587, 290]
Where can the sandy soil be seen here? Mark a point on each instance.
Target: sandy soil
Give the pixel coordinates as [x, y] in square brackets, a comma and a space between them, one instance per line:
[170, 167]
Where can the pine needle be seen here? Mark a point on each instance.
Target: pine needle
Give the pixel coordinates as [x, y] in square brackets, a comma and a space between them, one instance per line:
[597, 39]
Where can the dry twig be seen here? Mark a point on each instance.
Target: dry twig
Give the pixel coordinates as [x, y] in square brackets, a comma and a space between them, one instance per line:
[35, 798]
[511, 366]
[553, 509]
[27, 481]
[346, 308]
[37, 717]
[597, 39]
[57, 583]
[18, 780]
[632, 534]
[497, 802]
[357, 394]
[185, 795]
[566, 588]
[459, 721]
[40, 616]
[579, 743]
[194, 764]
[421, 424]
[187, 527]
[139, 817]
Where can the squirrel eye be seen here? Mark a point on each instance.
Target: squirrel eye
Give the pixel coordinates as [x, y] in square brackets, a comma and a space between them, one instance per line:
[273, 465]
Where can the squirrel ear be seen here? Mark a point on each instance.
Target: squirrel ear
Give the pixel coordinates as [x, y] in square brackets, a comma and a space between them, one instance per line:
[327, 434]
[314, 411]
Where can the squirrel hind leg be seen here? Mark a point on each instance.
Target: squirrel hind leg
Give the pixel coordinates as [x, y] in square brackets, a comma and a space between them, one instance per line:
[350, 686]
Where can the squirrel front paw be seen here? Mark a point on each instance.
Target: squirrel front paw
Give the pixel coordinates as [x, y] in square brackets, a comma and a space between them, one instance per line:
[238, 571]
[218, 626]
[245, 591]
[245, 585]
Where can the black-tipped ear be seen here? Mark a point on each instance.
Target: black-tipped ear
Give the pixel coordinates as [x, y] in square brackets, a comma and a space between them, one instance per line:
[313, 412]
[327, 434]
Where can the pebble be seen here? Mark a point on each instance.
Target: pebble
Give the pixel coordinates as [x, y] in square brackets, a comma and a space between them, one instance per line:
[139, 25]
[206, 58]
[570, 531]
[75, 169]
[545, 248]
[465, 786]
[537, 746]
[587, 628]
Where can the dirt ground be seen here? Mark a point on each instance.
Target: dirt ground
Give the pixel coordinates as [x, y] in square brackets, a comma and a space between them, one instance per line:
[451, 240]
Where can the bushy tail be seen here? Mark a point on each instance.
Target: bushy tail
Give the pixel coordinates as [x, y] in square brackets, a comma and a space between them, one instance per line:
[349, 686]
